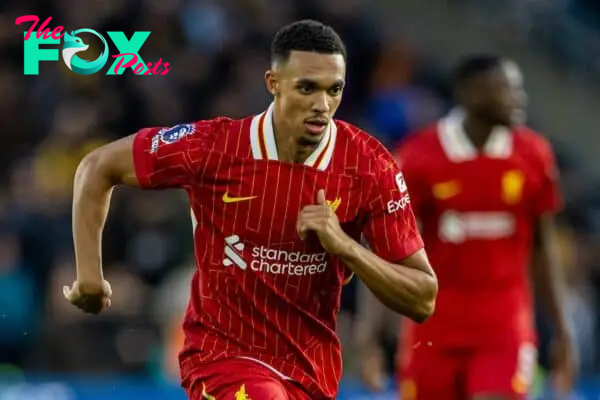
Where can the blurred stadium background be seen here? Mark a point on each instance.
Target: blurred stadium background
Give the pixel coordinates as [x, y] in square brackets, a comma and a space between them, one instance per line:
[400, 53]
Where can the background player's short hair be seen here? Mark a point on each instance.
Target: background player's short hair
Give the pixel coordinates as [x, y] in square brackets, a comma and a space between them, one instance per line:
[306, 35]
[473, 65]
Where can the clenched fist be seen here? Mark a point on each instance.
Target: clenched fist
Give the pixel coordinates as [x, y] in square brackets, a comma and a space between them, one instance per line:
[90, 297]
[321, 219]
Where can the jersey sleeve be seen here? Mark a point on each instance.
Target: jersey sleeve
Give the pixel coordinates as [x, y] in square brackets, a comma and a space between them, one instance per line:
[548, 196]
[170, 157]
[410, 165]
[391, 228]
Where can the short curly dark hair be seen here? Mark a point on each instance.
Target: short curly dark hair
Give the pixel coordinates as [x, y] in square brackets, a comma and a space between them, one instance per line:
[306, 35]
[472, 65]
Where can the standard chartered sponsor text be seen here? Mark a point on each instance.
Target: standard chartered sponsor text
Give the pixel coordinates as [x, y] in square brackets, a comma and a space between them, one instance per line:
[282, 262]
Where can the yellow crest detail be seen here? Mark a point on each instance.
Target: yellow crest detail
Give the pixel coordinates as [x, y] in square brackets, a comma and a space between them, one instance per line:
[334, 204]
[512, 186]
[241, 394]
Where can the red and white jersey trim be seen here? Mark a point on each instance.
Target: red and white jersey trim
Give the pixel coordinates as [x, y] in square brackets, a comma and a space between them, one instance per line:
[264, 146]
[267, 366]
[458, 147]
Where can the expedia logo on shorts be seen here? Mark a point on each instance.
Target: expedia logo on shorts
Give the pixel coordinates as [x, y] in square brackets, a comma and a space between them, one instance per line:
[273, 261]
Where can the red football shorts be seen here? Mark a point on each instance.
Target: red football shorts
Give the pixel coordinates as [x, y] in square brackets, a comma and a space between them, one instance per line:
[427, 373]
[240, 379]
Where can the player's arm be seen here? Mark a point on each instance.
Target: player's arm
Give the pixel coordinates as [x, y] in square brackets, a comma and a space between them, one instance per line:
[547, 276]
[546, 272]
[397, 271]
[548, 279]
[144, 160]
[97, 174]
[548, 282]
[408, 286]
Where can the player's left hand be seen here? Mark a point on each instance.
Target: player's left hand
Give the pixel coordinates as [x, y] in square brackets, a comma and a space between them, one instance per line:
[563, 364]
[321, 219]
[89, 297]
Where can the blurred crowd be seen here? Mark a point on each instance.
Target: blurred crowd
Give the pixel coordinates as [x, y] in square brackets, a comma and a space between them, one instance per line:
[218, 51]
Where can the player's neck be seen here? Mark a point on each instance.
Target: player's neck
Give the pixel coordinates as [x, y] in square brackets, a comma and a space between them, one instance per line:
[288, 149]
[477, 131]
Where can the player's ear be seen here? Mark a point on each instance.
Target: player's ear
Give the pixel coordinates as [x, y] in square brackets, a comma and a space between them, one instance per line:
[272, 82]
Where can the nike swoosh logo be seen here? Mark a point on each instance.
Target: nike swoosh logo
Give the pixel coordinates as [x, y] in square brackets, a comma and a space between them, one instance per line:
[227, 199]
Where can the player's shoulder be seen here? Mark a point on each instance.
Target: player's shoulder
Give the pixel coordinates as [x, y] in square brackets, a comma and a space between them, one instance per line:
[531, 143]
[220, 125]
[363, 153]
[421, 140]
[420, 149]
[210, 132]
[203, 128]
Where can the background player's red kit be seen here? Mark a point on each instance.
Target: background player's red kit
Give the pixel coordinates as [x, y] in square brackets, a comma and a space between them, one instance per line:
[260, 292]
[477, 211]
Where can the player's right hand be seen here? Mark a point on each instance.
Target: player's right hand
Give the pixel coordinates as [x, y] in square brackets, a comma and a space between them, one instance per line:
[89, 297]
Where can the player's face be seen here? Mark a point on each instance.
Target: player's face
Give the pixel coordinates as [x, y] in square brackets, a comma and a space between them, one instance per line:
[308, 90]
[504, 96]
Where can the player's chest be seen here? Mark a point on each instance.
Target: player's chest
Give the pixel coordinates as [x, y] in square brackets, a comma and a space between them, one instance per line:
[262, 200]
[484, 184]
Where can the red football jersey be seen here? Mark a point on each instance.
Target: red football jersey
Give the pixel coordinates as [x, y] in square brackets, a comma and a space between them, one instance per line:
[259, 291]
[477, 212]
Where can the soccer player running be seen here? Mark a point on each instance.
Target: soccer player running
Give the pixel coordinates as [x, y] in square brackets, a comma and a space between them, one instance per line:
[484, 188]
[279, 202]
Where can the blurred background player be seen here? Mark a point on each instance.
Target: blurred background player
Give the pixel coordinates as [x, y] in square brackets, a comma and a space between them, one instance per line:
[269, 196]
[484, 189]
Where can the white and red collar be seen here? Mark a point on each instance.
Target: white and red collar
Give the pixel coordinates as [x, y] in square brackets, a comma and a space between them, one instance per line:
[264, 146]
[458, 147]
